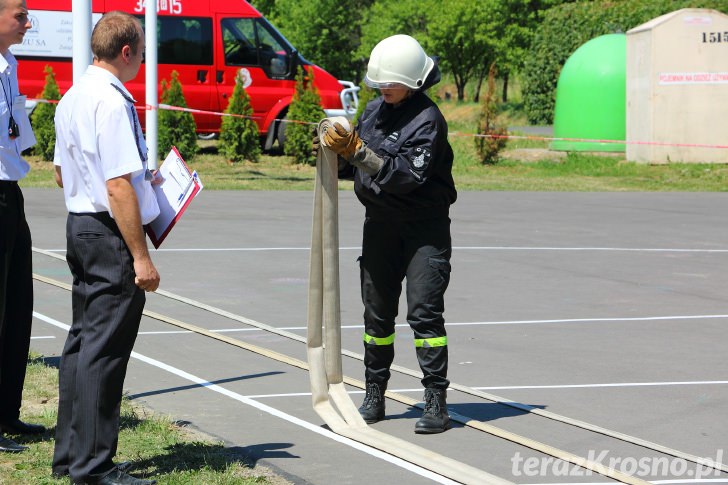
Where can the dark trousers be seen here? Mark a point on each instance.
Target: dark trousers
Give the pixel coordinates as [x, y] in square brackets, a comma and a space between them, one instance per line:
[107, 309]
[16, 298]
[420, 252]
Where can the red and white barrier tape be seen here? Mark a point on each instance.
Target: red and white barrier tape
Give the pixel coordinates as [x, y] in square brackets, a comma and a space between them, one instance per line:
[216, 113]
[509, 137]
[590, 140]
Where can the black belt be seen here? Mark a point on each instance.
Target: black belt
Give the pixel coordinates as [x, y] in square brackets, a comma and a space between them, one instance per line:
[101, 216]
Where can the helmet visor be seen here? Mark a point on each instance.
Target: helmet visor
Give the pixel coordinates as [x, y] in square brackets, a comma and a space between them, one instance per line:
[382, 85]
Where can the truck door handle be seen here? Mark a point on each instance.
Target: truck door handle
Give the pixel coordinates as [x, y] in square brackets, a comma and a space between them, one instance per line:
[219, 76]
[202, 76]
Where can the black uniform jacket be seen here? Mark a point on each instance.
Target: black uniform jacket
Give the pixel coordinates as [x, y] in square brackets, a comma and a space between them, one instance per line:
[415, 181]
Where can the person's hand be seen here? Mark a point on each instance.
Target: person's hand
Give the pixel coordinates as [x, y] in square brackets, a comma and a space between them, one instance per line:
[157, 177]
[341, 141]
[146, 277]
[315, 145]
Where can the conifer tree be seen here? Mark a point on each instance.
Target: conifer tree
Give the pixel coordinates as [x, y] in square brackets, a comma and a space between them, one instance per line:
[490, 146]
[239, 139]
[42, 118]
[176, 128]
[305, 110]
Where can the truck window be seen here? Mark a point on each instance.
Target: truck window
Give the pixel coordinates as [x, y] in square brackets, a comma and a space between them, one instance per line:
[184, 40]
[249, 42]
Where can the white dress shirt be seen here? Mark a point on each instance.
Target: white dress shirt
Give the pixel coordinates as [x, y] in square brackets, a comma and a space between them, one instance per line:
[95, 142]
[12, 165]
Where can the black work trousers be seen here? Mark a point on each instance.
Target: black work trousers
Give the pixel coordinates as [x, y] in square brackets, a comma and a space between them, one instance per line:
[420, 252]
[16, 298]
[107, 309]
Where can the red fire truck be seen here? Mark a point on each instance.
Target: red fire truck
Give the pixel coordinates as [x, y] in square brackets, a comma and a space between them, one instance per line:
[208, 42]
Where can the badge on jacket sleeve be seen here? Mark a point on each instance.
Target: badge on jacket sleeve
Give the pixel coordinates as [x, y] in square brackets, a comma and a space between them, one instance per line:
[420, 158]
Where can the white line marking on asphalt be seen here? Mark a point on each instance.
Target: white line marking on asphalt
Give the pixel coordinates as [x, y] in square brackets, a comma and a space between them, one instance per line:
[614, 384]
[702, 480]
[464, 248]
[493, 388]
[170, 332]
[290, 394]
[654, 482]
[465, 324]
[638, 250]
[273, 411]
[40, 337]
[592, 320]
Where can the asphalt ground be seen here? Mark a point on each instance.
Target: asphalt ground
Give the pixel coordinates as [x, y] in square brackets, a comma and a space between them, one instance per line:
[610, 308]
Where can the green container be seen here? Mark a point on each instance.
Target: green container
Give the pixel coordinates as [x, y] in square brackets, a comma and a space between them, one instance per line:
[591, 97]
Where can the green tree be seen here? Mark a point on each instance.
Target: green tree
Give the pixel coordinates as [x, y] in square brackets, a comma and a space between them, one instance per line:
[389, 17]
[264, 6]
[462, 32]
[42, 118]
[326, 32]
[176, 128]
[514, 23]
[305, 110]
[239, 138]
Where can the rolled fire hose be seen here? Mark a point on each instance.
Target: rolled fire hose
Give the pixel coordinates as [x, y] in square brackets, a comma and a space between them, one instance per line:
[329, 396]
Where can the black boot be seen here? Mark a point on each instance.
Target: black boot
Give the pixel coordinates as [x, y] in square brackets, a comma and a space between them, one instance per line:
[435, 418]
[9, 446]
[372, 409]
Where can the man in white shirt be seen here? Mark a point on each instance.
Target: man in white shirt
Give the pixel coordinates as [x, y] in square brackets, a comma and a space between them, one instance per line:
[16, 273]
[101, 163]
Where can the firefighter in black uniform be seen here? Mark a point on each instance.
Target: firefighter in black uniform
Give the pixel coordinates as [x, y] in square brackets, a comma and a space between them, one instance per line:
[401, 163]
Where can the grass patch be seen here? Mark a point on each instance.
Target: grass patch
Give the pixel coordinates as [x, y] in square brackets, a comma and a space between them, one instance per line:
[528, 165]
[270, 173]
[159, 447]
[589, 173]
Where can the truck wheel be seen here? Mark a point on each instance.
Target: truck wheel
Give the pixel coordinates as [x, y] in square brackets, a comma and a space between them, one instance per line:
[281, 135]
[273, 143]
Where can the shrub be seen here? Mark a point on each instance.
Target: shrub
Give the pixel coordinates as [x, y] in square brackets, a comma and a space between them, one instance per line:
[490, 145]
[239, 134]
[566, 27]
[176, 128]
[305, 110]
[42, 119]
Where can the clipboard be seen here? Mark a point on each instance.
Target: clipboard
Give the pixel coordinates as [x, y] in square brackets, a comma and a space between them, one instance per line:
[174, 194]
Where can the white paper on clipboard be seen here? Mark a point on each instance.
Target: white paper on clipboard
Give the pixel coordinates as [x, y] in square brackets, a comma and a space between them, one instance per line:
[174, 194]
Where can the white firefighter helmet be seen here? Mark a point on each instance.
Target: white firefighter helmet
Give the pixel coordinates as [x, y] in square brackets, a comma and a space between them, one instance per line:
[398, 59]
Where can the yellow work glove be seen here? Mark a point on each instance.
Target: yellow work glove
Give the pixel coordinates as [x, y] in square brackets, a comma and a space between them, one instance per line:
[342, 142]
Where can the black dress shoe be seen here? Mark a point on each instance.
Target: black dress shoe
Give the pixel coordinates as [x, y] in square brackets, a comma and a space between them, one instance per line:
[9, 446]
[123, 466]
[118, 477]
[58, 475]
[16, 426]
